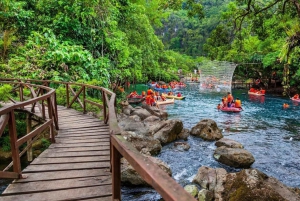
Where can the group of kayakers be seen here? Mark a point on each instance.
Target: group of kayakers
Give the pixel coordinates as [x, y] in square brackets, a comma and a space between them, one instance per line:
[152, 97]
[228, 101]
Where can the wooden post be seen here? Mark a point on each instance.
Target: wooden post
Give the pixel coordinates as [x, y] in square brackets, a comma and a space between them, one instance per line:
[21, 92]
[67, 94]
[116, 173]
[29, 127]
[13, 143]
[50, 117]
[84, 103]
[104, 104]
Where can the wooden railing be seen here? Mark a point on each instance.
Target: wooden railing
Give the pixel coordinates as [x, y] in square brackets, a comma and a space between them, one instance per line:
[166, 186]
[39, 95]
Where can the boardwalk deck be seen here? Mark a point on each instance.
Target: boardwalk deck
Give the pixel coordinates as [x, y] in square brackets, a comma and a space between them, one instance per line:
[76, 167]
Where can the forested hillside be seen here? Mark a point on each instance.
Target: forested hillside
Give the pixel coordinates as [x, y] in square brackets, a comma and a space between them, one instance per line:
[89, 40]
[102, 41]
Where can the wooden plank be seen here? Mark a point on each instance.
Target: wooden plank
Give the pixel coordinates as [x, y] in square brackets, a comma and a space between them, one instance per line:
[78, 149]
[71, 194]
[55, 175]
[85, 136]
[42, 160]
[48, 153]
[63, 184]
[70, 166]
[79, 144]
[85, 130]
[75, 126]
[63, 140]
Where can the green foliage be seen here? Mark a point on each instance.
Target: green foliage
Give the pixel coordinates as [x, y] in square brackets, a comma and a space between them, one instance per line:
[4, 92]
[45, 143]
[5, 143]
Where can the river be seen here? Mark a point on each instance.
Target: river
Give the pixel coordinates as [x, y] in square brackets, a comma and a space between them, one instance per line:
[264, 128]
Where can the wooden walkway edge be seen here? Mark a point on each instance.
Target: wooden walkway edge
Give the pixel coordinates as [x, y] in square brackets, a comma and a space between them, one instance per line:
[76, 167]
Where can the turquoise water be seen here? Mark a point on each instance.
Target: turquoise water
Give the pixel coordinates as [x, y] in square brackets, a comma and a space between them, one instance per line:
[268, 131]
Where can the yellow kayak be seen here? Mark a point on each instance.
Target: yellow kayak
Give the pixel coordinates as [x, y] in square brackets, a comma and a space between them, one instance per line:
[172, 96]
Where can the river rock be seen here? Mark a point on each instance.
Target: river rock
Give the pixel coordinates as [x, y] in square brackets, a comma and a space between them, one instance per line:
[156, 112]
[207, 129]
[142, 143]
[182, 146]
[205, 195]
[191, 189]
[229, 143]
[251, 184]
[184, 134]
[234, 157]
[129, 175]
[170, 131]
[132, 123]
[206, 177]
[142, 113]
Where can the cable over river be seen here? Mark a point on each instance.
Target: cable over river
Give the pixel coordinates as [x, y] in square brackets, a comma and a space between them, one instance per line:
[269, 132]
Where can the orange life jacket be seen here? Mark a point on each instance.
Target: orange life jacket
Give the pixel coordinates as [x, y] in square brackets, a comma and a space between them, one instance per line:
[238, 103]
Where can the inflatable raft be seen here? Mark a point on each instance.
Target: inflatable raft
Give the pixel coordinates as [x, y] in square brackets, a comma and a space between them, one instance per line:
[167, 101]
[296, 100]
[231, 109]
[172, 96]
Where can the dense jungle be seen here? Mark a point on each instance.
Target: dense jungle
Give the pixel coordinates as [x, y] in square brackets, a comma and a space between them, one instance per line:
[104, 42]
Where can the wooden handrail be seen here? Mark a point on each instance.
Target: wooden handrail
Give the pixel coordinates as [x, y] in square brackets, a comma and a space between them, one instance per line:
[8, 118]
[168, 188]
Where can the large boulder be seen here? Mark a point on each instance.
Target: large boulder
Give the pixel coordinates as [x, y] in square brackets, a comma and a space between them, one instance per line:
[170, 131]
[207, 129]
[142, 113]
[132, 123]
[246, 185]
[234, 157]
[129, 174]
[251, 184]
[229, 143]
[142, 143]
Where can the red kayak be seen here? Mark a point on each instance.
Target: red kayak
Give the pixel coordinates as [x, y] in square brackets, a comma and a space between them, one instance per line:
[231, 109]
[296, 100]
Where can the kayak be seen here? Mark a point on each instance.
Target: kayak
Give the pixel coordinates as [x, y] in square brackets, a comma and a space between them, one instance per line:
[172, 96]
[257, 93]
[168, 101]
[162, 90]
[296, 100]
[231, 109]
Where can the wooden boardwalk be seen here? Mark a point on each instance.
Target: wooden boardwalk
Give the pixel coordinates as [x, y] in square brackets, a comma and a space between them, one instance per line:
[76, 167]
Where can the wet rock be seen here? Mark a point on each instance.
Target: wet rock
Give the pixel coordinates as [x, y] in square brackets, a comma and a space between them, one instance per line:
[142, 143]
[184, 134]
[191, 189]
[182, 146]
[206, 177]
[142, 113]
[129, 175]
[207, 129]
[170, 131]
[229, 143]
[205, 195]
[234, 157]
[132, 124]
[251, 184]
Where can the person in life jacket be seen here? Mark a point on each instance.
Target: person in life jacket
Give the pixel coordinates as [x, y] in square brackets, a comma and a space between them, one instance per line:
[238, 103]
[143, 93]
[178, 94]
[229, 99]
[296, 96]
[219, 106]
[285, 105]
[149, 91]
